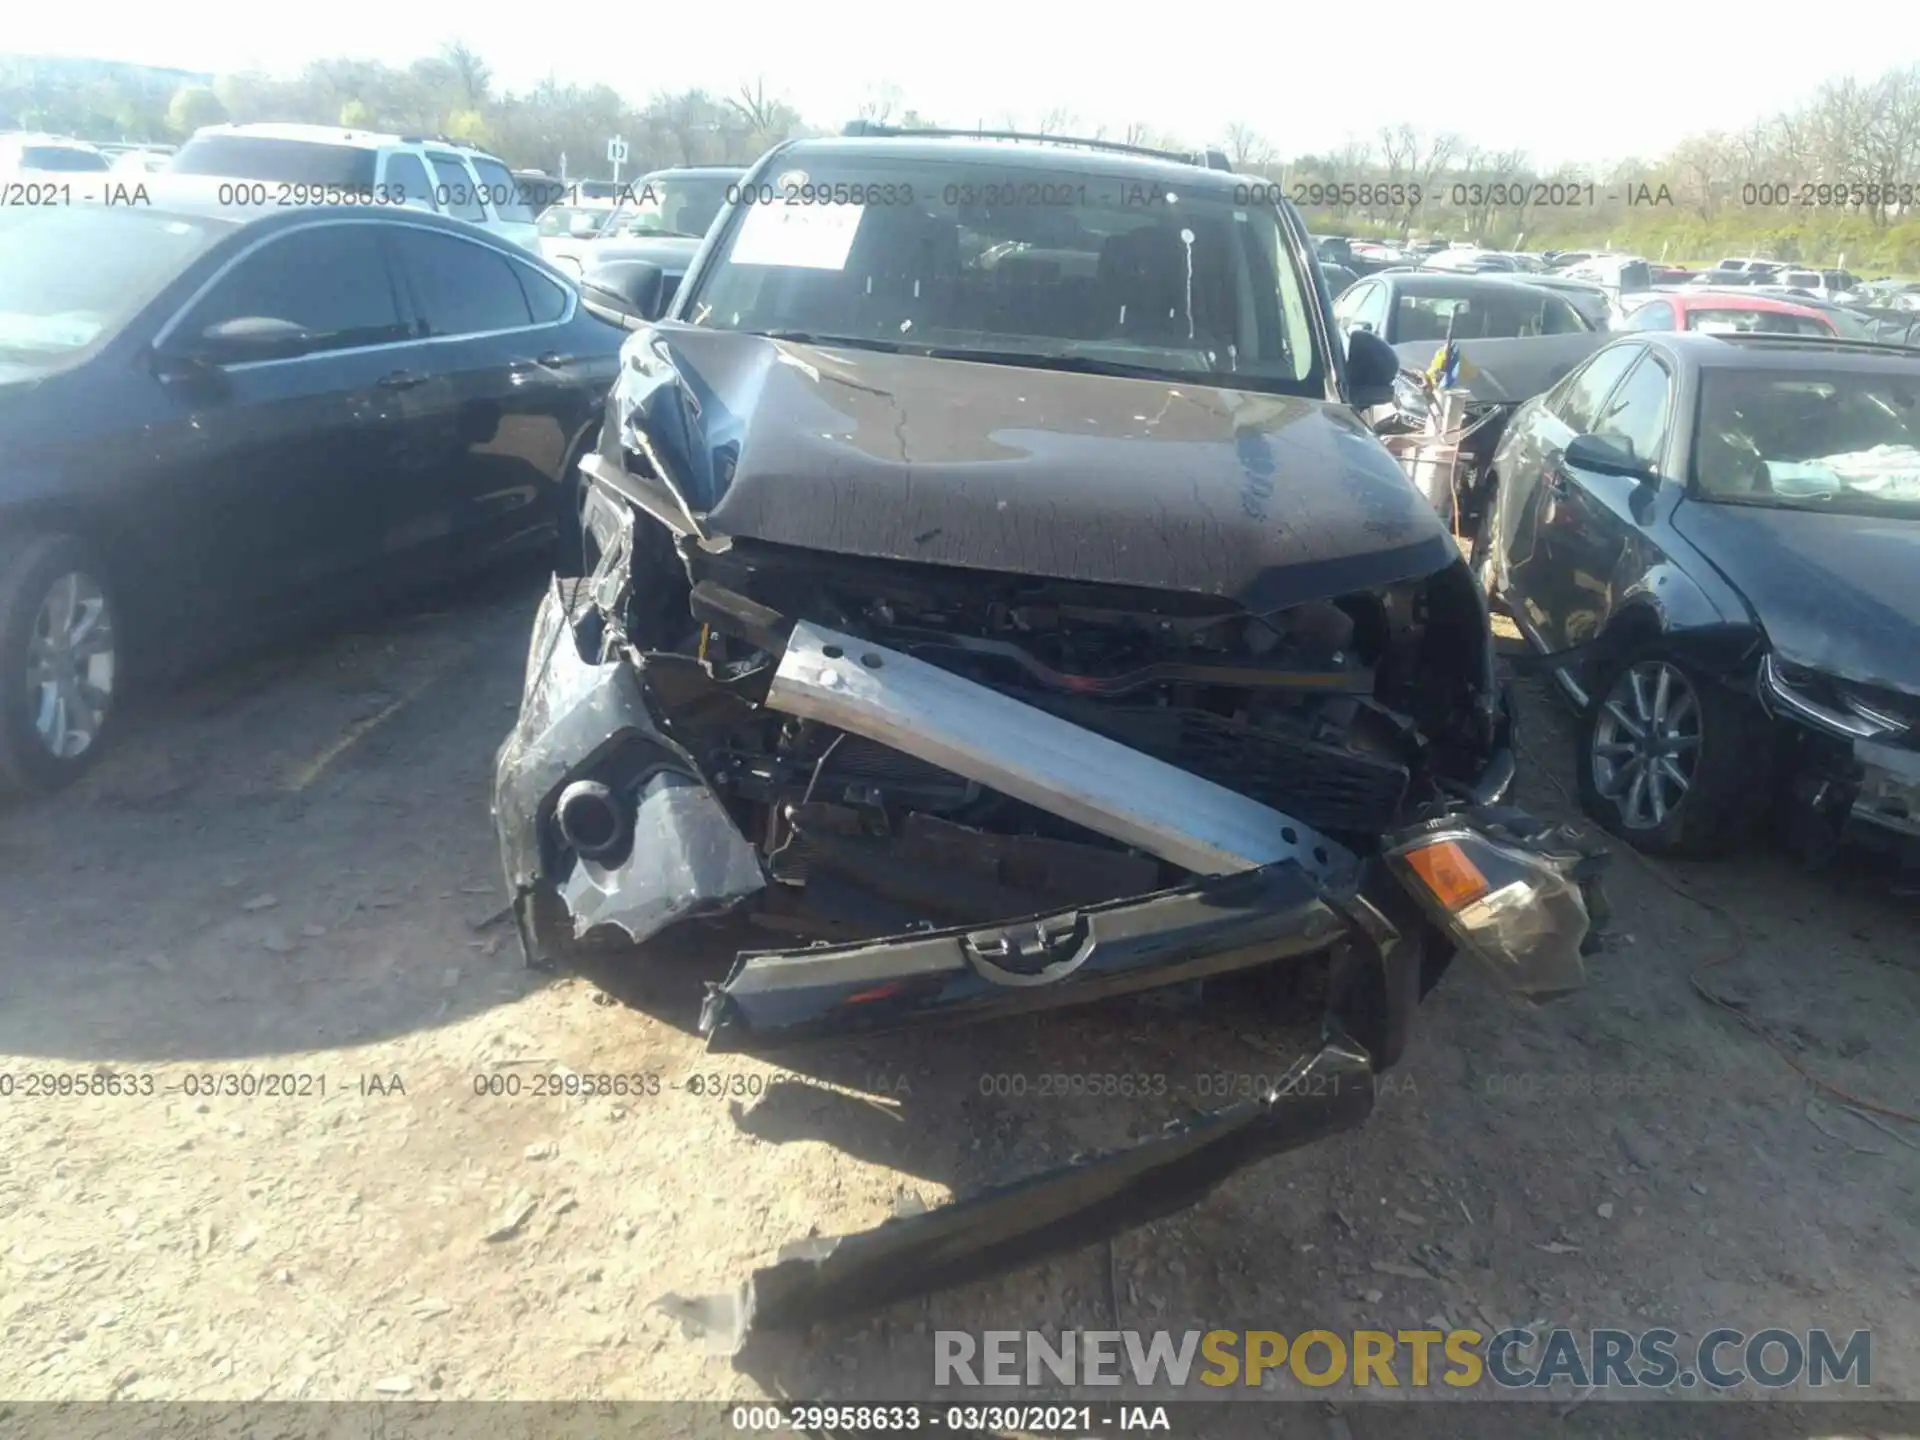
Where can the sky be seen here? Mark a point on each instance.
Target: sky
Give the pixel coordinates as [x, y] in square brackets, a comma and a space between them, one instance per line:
[1305, 77]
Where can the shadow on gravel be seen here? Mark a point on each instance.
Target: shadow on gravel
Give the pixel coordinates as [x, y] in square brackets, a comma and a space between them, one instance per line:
[287, 855]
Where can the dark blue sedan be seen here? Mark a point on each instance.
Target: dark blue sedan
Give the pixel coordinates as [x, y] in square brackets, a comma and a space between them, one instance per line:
[1715, 540]
[215, 421]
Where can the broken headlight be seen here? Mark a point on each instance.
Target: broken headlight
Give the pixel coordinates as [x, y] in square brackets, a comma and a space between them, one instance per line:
[1825, 703]
[1518, 903]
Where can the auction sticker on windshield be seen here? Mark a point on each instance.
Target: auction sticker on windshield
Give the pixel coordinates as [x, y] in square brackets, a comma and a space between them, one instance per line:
[804, 237]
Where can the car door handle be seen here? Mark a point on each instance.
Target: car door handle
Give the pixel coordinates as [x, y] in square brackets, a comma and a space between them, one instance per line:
[552, 360]
[401, 380]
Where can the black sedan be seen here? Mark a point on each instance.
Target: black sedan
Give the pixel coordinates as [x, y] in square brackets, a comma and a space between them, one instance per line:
[217, 421]
[1713, 538]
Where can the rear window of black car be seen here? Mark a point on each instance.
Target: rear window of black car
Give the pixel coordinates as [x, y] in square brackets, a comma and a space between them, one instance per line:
[263, 157]
[462, 288]
[1487, 315]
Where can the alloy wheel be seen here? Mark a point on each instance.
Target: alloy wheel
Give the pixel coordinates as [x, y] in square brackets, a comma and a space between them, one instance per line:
[1646, 743]
[70, 665]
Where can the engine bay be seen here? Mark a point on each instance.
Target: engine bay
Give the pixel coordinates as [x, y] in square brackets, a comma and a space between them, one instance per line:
[1340, 712]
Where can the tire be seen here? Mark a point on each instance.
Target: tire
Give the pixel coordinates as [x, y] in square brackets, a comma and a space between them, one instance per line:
[1720, 744]
[53, 590]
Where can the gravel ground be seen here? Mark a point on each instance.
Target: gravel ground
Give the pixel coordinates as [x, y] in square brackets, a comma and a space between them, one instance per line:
[285, 878]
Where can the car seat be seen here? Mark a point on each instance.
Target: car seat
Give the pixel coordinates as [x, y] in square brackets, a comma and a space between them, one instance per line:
[1143, 287]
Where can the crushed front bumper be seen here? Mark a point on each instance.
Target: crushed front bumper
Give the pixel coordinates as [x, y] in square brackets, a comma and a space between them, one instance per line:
[1274, 898]
[1004, 1228]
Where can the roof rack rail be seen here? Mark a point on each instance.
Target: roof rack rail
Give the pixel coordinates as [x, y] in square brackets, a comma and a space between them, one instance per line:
[1206, 159]
[446, 140]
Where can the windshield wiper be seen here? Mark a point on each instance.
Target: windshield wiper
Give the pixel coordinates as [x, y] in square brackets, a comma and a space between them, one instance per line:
[1044, 360]
[1038, 359]
[1122, 369]
[856, 342]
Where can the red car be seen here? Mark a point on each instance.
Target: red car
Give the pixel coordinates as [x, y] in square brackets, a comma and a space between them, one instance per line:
[1729, 312]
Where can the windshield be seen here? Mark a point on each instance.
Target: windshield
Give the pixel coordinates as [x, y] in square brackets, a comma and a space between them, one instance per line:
[669, 204]
[263, 157]
[1065, 268]
[1810, 439]
[1767, 322]
[1485, 316]
[51, 305]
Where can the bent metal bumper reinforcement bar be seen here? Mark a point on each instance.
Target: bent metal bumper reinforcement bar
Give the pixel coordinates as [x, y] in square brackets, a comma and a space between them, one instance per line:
[1024, 752]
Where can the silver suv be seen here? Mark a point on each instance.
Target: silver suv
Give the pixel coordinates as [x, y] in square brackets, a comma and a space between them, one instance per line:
[445, 176]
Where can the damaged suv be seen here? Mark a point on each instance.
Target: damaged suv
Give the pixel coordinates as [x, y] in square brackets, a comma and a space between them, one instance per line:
[995, 596]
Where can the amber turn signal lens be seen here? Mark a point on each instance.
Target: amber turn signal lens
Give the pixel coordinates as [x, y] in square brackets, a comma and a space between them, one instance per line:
[1446, 871]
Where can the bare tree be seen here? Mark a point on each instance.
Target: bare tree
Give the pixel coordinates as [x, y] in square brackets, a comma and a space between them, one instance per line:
[1057, 121]
[1703, 166]
[1415, 160]
[472, 74]
[880, 103]
[1247, 148]
[754, 106]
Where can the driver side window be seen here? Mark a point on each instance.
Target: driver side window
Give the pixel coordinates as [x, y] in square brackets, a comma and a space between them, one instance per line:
[1368, 310]
[1577, 399]
[1636, 413]
[1347, 303]
[330, 280]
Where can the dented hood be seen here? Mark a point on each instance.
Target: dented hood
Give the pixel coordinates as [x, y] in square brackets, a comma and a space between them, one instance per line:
[1263, 499]
[1837, 593]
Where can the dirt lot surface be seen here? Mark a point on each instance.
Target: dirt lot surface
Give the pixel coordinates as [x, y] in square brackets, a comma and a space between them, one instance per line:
[288, 870]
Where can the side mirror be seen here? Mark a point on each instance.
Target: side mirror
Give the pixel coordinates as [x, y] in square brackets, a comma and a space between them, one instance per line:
[1605, 456]
[1372, 367]
[244, 339]
[582, 227]
[633, 290]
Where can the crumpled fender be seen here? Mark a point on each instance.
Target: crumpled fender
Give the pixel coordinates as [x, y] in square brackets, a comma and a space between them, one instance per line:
[585, 720]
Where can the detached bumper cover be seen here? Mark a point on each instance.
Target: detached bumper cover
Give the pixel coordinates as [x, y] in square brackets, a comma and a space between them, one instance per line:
[1066, 1209]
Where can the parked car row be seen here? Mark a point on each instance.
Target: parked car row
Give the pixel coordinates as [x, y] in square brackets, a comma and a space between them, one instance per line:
[661, 217]
[1709, 523]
